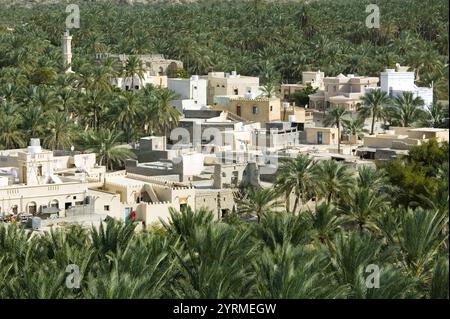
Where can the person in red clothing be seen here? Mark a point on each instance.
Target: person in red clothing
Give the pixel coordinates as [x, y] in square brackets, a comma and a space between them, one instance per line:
[132, 215]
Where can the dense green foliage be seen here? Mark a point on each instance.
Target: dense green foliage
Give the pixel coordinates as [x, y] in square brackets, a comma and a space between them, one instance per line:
[273, 40]
[326, 251]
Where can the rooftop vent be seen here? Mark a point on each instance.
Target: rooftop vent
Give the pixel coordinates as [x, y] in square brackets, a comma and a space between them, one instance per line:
[35, 146]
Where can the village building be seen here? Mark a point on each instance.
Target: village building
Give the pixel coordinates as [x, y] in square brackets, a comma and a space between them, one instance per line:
[312, 78]
[223, 84]
[192, 93]
[343, 91]
[399, 80]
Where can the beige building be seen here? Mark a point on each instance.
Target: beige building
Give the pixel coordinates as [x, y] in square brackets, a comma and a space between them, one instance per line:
[220, 84]
[256, 109]
[322, 135]
[155, 64]
[35, 181]
[137, 83]
[295, 114]
[404, 137]
[315, 79]
[343, 91]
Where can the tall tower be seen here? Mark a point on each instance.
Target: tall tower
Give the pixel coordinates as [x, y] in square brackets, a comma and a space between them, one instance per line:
[67, 50]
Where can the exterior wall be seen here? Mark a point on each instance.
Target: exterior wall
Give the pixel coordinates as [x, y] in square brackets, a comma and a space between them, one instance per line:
[126, 84]
[329, 135]
[106, 203]
[35, 168]
[297, 114]
[219, 202]
[155, 64]
[342, 90]
[235, 175]
[73, 194]
[315, 79]
[220, 83]
[267, 110]
[189, 164]
[189, 89]
[390, 141]
[395, 83]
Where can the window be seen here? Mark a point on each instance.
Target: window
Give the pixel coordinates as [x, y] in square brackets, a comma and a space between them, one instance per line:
[39, 170]
[238, 110]
[254, 109]
[236, 92]
[271, 108]
[136, 87]
[195, 87]
[127, 88]
[74, 197]
[106, 208]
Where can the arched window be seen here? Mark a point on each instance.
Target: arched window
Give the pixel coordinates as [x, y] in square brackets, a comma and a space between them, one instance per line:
[54, 203]
[32, 208]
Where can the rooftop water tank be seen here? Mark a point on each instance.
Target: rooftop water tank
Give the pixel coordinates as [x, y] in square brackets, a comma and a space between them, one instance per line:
[35, 146]
[194, 78]
[233, 73]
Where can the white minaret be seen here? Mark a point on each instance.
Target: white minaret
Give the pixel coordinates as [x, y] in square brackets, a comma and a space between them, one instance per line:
[67, 50]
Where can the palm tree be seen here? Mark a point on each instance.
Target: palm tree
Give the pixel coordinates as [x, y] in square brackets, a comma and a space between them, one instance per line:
[269, 90]
[164, 115]
[257, 202]
[106, 144]
[372, 178]
[335, 116]
[60, 131]
[133, 67]
[66, 96]
[436, 115]
[33, 121]
[95, 104]
[325, 222]
[127, 108]
[363, 206]
[333, 180]
[352, 254]
[406, 108]
[374, 101]
[296, 175]
[420, 235]
[289, 271]
[10, 136]
[354, 128]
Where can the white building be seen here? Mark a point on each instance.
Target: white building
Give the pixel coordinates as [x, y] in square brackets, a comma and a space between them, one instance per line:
[192, 93]
[136, 83]
[221, 83]
[399, 80]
